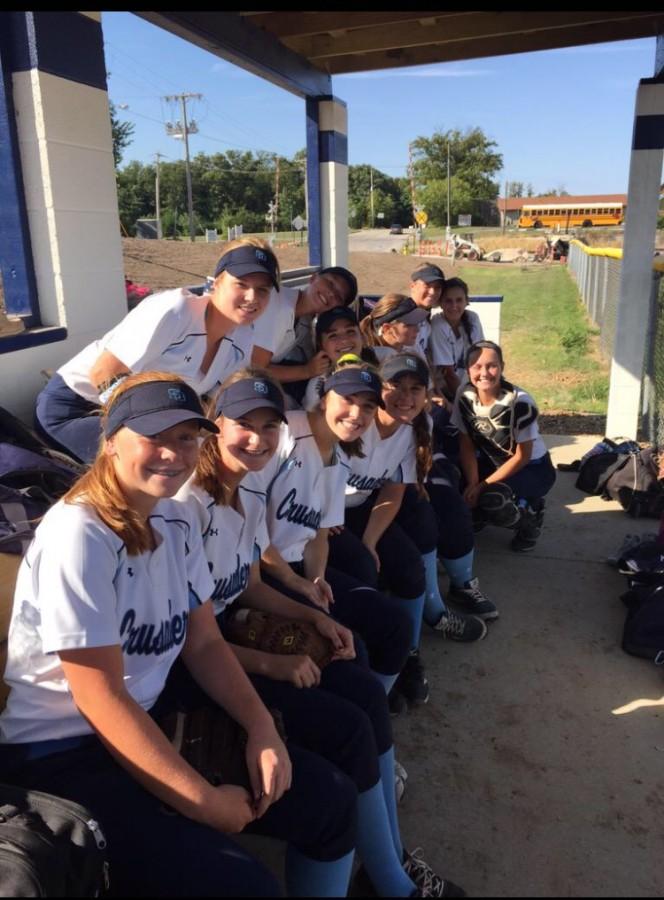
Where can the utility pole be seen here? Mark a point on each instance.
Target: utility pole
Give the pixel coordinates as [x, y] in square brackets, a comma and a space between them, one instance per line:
[371, 203]
[276, 192]
[411, 176]
[182, 131]
[157, 157]
[449, 192]
[507, 184]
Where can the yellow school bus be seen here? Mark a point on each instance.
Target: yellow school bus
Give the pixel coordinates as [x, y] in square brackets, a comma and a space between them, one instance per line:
[571, 215]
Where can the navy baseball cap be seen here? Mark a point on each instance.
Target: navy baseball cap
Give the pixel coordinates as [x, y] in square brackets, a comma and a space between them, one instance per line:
[406, 311]
[327, 319]
[405, 364]
[245, 396]
[247, 260]
[347, 276]
[354, 380]
[428, 274]
[154, 406]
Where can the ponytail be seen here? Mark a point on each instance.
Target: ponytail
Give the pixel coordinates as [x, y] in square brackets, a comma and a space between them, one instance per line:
[423, 454]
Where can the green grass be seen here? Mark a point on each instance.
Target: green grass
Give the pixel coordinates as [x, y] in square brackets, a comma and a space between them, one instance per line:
[551, 348]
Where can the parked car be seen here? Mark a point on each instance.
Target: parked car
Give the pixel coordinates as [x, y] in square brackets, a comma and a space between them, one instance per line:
[396, 229]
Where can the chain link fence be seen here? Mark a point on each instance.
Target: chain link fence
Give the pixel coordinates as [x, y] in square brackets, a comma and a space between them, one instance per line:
[598, 281]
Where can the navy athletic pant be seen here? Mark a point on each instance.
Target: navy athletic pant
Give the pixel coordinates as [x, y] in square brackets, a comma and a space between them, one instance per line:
[154, 852]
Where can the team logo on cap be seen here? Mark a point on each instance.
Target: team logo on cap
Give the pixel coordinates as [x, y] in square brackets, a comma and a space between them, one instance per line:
[177, 394]
[411, 363]
[365, 376]
[261, 256]
[260, 387]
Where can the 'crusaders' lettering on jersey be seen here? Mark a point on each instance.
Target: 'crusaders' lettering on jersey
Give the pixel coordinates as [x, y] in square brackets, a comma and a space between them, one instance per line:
[148, 640]
[299, 513]
[234, 584]
[366, 482]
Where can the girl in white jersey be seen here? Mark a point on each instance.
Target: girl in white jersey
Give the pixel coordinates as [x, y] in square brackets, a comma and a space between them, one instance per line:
[452, 333]
[340, 711]
[203, 339]
[111, 594]
[391, 532]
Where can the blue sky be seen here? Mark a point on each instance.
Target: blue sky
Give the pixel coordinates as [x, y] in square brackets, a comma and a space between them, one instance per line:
[561, 118]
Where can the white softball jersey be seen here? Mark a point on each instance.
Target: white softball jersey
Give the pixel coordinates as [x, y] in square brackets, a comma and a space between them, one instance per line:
[78, 588]
[233, 538]
[303, 495]
[165, 332]
[385, 459]
[448, 348]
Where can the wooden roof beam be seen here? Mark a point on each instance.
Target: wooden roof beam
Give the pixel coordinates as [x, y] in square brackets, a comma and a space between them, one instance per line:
[462, 27]
[289, 24]
[477, 49]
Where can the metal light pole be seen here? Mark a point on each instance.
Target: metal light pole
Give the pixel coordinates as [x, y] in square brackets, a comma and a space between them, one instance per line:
[156, 192]
[183, 131]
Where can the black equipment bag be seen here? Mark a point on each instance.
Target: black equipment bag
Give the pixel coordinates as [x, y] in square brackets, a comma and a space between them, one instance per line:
[643, 634]
[49, 847]
[636, 487]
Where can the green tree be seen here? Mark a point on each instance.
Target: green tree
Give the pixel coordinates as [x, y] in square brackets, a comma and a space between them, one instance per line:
[122, 133]
[515, 189]
[388, 197]
[474, 164]
[136, 194]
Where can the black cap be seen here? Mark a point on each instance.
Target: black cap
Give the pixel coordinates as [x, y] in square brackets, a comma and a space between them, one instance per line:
[327, 319]
[405, 364]
[347, 276]
[354, 380]
[247, 260]
[406, 310]
[428, 274]
[154, 406]
[245, 396]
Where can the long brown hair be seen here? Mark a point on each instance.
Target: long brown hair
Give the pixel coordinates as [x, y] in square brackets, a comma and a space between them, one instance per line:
[423, 447]
[385, 305]
[99, 486]
[209, 475]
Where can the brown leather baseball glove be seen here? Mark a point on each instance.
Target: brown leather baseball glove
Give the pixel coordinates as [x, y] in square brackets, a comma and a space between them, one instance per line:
[275, 634]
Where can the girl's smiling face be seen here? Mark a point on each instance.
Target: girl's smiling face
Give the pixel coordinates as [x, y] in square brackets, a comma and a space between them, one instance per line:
[324, 292]
[404, 398]
[454, 301]
[485, 370]
[247, 444]
[426, 295]
[242, 299]
[342, 337]
[150, 468]
[349, 417]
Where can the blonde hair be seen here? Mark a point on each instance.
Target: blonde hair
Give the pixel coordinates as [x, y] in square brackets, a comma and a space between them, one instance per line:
[208, 473]
[251, 241]
[99, 486]
[367, 326]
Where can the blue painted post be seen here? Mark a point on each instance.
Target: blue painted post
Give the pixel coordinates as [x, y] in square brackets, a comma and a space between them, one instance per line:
[327, 180]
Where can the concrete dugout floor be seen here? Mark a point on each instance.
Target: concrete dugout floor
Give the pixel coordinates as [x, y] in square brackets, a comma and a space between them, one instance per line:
[537, 767]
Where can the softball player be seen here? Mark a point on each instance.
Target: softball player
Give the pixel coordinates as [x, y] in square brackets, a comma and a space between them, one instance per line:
[284, 336]
[426, 285]
[203, 339]
[452, 333]
[507, 467]
[391, 528]
[98, 622]
[393, 326]
[346, 718]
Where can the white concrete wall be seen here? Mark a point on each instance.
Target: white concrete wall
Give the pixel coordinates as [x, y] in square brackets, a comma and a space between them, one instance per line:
[66, 149]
